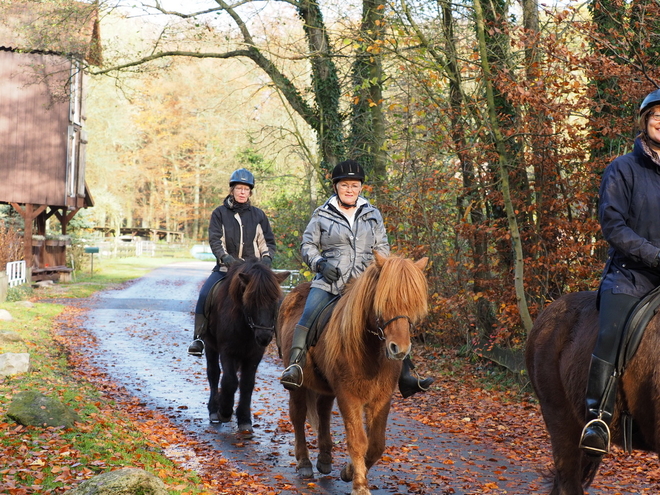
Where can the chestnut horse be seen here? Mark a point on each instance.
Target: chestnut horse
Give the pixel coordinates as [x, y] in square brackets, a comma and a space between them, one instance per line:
[357, 360]
[558, 354]
[242, 318]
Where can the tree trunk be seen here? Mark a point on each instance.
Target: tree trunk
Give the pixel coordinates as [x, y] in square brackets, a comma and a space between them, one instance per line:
[504, 164]
[367, 120]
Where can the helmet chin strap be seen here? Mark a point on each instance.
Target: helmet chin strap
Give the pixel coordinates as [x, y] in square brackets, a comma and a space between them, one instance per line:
[346, 205]
[341, 203]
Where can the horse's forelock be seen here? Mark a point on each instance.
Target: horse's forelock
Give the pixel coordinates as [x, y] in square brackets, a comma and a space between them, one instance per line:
[263, 287]
[402, 290]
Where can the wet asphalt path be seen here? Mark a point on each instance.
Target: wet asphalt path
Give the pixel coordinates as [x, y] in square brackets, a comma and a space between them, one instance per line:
[143, 332]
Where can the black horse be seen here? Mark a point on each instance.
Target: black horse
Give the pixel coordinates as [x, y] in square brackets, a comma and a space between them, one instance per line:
[241, 324]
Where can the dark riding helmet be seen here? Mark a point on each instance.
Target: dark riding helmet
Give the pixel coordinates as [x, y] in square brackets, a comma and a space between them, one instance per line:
[348, 169]
[241, 176]
[651, 100]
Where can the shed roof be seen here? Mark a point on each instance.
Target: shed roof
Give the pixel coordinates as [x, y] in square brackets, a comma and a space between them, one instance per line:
[65, 27]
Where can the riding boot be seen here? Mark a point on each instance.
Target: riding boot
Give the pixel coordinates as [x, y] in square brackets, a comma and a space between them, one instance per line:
[292, 376]
[600, 398]
[408, 384]
[196, 348]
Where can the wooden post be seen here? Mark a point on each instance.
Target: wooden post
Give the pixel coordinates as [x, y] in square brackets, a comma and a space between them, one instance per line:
[28, 214]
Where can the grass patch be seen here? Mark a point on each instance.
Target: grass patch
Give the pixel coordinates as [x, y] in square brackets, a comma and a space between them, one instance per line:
[107, 273]
[111, 433]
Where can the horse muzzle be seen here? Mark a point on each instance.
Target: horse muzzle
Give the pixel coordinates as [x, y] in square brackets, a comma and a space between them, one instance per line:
[264, 336]
[395, 352]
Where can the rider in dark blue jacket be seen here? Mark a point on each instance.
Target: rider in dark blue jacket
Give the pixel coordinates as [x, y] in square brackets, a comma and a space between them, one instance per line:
[629, 201]
[238, 232]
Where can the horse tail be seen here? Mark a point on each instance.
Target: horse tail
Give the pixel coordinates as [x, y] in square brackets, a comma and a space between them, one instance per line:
[312, 411]
[590, 467]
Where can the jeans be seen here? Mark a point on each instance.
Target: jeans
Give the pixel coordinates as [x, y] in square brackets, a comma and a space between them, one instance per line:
[213, 279]
[316, 301]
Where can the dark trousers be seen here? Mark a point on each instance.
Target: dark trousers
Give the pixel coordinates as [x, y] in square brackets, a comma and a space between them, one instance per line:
[613, 313]
[214, 278]
[316, 301]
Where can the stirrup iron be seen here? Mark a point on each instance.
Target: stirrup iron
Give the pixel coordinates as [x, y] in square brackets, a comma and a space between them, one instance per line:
[589, 449]
[197, 339]
[292, 384]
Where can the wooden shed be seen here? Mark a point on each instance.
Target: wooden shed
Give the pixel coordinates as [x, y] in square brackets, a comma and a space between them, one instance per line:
[43, 51]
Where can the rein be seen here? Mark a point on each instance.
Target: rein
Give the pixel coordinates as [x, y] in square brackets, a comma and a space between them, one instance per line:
[381, 326]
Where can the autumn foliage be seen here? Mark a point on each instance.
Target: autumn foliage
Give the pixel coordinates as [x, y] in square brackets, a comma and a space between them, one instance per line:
[566, 111]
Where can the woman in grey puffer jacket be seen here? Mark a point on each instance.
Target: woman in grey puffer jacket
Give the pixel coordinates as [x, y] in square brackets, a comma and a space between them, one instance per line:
[338, 244]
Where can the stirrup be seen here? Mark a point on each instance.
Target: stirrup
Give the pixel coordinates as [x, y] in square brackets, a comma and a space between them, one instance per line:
[196, 353]
[292, 385]
[591, 450]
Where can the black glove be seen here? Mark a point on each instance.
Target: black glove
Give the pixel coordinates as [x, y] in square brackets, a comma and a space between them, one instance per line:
[329, 272]
[228, 260]
[267, 260]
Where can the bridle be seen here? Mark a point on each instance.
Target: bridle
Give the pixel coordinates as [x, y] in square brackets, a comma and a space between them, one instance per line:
[381, 326]
[255, 327]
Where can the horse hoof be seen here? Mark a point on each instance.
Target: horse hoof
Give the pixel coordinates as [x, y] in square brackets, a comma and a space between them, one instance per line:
[225, 419]
[324, 463]
[304, 469]
[246, 430]
[347, 473]
[324, 468]
[214, 418]
[363, 490]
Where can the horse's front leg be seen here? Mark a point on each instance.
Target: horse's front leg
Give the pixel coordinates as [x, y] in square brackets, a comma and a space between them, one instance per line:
[213, 375]
[246, 386]
[228, 387]
[351, 409]
[376, 416]
[298, 416]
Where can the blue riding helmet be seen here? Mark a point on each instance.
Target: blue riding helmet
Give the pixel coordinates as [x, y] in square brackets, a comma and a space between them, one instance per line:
[242, 176]
[652, 99]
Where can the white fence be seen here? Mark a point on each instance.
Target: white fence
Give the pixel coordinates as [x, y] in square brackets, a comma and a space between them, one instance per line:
[16, 273]
[125, 249]
[292, 280]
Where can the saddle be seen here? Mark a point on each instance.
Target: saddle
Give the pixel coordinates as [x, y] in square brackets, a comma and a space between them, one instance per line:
[210, 297]
[319, 323]
[632, 336]
[316, 328]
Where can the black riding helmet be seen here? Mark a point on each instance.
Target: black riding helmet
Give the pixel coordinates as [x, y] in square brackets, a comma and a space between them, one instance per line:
[242, 176]
[349, 170]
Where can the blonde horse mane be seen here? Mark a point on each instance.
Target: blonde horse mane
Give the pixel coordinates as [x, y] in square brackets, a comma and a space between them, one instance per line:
[389, 287]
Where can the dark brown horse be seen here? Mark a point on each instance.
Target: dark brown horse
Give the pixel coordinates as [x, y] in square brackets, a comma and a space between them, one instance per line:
[357, 360]
[241, 325]
[558, 355]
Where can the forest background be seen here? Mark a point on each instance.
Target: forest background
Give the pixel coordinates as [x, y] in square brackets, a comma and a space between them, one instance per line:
[483, 125]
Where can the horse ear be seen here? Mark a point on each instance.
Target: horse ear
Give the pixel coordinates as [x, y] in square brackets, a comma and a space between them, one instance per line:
[380, 259]
[243, 278]
[421, 264]
[281, 276]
